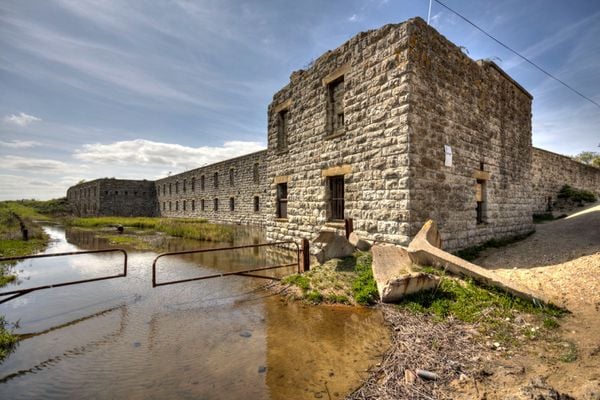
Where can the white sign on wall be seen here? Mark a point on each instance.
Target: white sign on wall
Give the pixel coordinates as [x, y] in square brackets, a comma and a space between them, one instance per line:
[448, 155]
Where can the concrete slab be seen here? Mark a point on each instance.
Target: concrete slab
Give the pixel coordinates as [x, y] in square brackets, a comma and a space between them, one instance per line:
[394, 275]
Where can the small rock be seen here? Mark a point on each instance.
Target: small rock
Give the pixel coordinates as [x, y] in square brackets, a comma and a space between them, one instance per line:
[245, 334]
[136, 344]
[262, 369]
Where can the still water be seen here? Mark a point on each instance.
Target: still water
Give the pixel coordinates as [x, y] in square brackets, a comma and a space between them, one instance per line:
[222, 338]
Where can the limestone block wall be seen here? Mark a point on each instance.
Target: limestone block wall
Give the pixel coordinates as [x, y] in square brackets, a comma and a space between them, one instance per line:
[485, 118]
[365, 140]
[106, 197]
[194, 193]
[551, 171]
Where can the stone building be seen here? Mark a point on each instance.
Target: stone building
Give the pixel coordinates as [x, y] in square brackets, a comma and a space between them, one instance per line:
[231, 191]
[105, 197]
[397, 126]
[394, 127]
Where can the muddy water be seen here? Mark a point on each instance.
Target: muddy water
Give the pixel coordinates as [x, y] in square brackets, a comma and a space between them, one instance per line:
[222, 338]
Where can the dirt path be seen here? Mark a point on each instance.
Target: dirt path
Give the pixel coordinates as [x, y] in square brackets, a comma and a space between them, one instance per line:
[561, 260]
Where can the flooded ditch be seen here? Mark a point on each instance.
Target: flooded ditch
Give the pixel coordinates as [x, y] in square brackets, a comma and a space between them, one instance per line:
[222, 338]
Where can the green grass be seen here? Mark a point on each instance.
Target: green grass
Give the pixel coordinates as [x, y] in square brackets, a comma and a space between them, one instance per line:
[190, 228]
[342, 281]
[364, 287]
[127, 241]
[491, 309]
[471, 253]
[7, 339]
[571, 353]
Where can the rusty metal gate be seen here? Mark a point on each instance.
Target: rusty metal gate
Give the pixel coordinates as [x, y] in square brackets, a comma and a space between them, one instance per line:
[300, 263]
[17, 293]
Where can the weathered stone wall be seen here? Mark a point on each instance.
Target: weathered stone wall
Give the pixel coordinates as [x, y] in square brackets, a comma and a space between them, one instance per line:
[485, 117]
[241, 179]
[370, 150]
[105, 197]
[551, 171]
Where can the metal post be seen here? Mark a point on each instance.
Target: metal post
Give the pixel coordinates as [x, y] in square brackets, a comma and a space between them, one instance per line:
[305, 255]
[349, 226]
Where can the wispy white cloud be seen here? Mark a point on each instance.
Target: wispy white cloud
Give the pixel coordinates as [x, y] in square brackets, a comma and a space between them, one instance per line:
[19, 144]
[33, 164]
[145, 152]
[21, 119]
[353, 18]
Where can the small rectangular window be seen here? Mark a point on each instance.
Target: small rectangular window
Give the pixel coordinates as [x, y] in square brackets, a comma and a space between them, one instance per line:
[193, 184]
[231, 204]
[282, 130]
[202, 182]
[193, 205]
[202, 205]
[184, 204]
[256, 204]
[177, 205]
[164, 189]
[216, 179]
[282, 193]
[177, 187]
[231, 176]
[216, 204]
[335, 106]
[336, 197]
[170, 206]
[170, 188]
[480, 199]
[184, 185]
[164, 206]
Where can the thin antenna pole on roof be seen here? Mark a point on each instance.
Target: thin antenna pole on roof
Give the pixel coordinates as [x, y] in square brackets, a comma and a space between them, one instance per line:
[429, 12]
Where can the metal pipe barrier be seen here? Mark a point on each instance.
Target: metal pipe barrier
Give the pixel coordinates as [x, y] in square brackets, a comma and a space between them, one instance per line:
[21, 292]
[247, 272]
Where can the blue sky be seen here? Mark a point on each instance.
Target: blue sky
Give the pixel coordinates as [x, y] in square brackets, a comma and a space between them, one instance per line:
[134, 89]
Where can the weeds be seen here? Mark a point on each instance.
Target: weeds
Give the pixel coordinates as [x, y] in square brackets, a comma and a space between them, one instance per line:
[543, 217]
[471, 253]
[492, 309]
[190, 228]
[364, 287]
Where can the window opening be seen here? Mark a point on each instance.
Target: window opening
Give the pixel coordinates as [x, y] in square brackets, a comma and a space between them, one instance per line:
[282, 193]
[336, 197]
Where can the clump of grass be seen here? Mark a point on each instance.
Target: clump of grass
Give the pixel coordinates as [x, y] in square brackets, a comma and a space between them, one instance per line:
[300, 281]
[364, 287]
[571, 353]
[128, 241]
[314, 297]
[491, 309]
[542, 217]
[471, 253]
[342, 281]
[7, 339]
[191, 228]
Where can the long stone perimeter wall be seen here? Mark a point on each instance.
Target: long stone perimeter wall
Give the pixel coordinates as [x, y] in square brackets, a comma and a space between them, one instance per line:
[551, 171]
[106, 197]
[237, 186]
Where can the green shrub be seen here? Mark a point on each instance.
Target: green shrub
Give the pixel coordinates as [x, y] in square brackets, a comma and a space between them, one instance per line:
[364, 287]
[314, 297]
[577, 195]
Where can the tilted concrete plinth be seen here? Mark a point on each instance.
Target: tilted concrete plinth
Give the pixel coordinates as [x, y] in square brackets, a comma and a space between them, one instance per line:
[393, 273]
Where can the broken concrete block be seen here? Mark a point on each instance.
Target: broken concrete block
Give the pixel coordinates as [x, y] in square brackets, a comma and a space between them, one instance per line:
[332, 246]
[393, 273]
[359, 243]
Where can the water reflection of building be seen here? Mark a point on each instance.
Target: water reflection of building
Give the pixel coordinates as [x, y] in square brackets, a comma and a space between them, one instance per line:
[316, 352]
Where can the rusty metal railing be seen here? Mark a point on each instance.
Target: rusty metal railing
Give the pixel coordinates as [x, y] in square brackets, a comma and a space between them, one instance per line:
[21, 292]
[247, 272]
